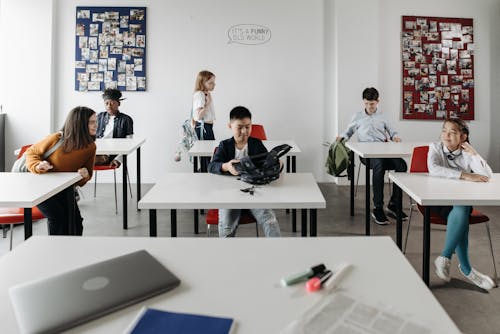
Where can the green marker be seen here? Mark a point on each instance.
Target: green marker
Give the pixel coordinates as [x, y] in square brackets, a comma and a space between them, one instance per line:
[302, 276]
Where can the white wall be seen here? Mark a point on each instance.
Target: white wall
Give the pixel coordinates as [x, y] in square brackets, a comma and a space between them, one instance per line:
[368, 54]
[281, 81]
[26, 84]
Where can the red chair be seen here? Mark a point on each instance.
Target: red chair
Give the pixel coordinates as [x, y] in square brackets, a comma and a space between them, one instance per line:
[419, 165]
[258, 132]
[108, 167]
[11, 216]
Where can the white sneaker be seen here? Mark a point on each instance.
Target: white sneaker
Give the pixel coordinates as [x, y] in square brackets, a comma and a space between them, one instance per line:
[479, 279]
[443, 268]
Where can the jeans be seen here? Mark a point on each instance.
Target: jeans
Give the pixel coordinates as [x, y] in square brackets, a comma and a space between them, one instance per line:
[56, 209]
[229, 219]
[457, 236]
[379, 166]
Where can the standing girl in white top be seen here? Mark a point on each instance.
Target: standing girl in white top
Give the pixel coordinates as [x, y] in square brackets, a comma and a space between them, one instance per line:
[455, 158]
[203, 109]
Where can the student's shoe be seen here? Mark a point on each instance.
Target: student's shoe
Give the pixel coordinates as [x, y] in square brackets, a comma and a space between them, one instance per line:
[378, 215]
[443, 268]
[392, 212]
[479, 279]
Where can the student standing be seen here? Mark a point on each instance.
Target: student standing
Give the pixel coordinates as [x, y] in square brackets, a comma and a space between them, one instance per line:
[228, 153]
[372, 126]
[113, 124]
[203, 111]
[76, 153]
[455, 158]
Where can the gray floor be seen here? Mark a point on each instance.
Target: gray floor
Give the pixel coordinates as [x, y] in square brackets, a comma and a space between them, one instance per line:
[473, 310]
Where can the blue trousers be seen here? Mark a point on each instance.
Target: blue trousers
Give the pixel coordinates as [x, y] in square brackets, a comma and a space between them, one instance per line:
[204, 133]
[457, 236]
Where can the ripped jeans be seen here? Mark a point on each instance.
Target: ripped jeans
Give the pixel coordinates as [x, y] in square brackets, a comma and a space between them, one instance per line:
[229, 219]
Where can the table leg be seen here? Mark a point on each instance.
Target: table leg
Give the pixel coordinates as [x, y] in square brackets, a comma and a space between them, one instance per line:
[173, 223]
[28, 227]
[196, 221]
[313, 214]
[288, 164]
[367, 197]
[138, 177]
[304, 222]
[294, 220]
[427, 245]
[124, 192]
[399, 220]
[351, 172]
[195, 164]
[294, 164]
[152, 223]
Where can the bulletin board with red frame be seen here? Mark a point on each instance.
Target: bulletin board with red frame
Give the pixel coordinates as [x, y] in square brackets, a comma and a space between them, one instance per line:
[437, 67]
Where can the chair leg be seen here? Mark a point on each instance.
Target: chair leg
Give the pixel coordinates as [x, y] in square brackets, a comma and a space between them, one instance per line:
[208, 230]
[257, 229]
[11, 235]
[492, 254]
[357, 180]
[116, 200]
[129, 184]
[408, 227]
[95, 182]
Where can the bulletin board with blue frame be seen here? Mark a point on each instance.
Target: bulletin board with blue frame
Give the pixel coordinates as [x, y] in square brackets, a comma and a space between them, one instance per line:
[110, 48]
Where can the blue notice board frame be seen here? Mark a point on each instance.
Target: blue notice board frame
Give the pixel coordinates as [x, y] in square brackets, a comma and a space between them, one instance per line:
[110, 48]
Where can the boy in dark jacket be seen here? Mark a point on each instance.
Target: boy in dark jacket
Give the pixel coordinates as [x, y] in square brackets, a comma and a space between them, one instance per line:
[228, 153]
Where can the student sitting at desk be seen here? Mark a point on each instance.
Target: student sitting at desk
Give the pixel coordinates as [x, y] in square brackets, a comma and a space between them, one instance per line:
[455, 158]
[228, 153]
[372, 126]
[76, 153]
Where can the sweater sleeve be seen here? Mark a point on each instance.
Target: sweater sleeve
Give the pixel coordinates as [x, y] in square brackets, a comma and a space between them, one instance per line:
[89, 164]
[219, 158]
[34, 154]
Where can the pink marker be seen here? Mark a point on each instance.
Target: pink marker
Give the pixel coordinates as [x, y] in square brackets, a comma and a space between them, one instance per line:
[315, 283]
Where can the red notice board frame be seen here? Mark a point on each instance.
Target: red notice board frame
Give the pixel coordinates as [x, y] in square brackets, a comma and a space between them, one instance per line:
[437, 66]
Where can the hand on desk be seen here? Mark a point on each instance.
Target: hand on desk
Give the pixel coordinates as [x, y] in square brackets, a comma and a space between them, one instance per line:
[44, 166]
[228, 167]
[474, 177]
[396, 139]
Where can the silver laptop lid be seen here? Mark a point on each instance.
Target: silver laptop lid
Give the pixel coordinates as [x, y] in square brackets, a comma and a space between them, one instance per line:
[63, 301]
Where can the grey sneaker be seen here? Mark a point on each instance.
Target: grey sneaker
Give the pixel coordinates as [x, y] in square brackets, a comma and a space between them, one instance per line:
[443, 268]
[479, 279]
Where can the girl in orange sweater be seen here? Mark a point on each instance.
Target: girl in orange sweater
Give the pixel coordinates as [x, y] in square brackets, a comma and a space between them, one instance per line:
[75, 154]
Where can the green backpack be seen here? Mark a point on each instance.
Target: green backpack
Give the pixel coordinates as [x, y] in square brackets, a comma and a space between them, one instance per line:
[337, 160]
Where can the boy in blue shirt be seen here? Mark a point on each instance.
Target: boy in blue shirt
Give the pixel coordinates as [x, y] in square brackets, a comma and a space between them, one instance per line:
[373, 127]
[228, 153]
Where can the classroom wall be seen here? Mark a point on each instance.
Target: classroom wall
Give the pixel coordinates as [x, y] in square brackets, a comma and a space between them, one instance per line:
[305, 83]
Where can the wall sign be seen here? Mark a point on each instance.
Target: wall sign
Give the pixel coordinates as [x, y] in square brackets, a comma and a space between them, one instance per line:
[110, 48]
[248, 34]
[438, 68]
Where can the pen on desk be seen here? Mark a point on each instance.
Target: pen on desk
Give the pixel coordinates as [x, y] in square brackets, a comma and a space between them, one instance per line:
[315, 283]
[338, 274]
[303, 275]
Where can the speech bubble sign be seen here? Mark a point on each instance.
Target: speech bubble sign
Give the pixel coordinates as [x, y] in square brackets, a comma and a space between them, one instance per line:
[248, 34]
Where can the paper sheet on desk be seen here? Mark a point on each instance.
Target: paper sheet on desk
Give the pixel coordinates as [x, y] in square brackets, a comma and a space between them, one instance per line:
[338, 313]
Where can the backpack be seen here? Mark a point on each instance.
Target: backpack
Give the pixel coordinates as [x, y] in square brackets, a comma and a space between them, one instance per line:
[337, 160]
[20, 164]
[188, 137]
[262, 168]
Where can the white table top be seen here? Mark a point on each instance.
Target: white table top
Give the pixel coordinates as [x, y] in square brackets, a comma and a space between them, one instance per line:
[383, 149]
[243, 285]
[26, 190]
[428, 190]
[118, 145]
[208, 191]
[205, 148]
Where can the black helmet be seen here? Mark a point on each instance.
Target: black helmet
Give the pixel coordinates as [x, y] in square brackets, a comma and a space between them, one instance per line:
[262, 168]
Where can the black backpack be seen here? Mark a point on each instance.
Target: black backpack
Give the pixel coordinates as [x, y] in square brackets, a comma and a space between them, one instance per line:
[262, 168]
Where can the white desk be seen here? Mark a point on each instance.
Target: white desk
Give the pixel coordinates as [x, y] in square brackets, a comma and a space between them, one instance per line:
[369, 150]
[208, 191]
[243, 285]
[26, 190]
[431, 191]
[123, 146]
[205, 148]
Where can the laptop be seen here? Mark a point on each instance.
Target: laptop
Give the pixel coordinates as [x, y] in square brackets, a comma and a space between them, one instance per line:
[68, 299]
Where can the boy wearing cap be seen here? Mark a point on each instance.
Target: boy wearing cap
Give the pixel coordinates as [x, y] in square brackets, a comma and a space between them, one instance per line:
[112, 124]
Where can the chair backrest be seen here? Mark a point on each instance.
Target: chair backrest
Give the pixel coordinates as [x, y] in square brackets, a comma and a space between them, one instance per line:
[22, 150]
[258, 132]
[419, 160]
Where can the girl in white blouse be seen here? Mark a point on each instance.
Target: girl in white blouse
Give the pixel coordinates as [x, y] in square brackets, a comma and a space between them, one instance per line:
[203, 111]
[455, 158]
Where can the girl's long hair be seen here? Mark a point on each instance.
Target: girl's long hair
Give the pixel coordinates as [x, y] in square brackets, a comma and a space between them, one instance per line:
[202, 77]
[76, 129]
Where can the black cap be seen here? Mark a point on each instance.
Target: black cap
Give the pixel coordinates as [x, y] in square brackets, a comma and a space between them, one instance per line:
[112, 94]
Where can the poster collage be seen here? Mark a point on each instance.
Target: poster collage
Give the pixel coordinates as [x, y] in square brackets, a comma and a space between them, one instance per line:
[437, 67]
[110, 48]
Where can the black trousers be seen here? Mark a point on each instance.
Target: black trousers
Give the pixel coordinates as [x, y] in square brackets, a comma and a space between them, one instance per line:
[207, 133]
[379, 166]
[56, 209]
